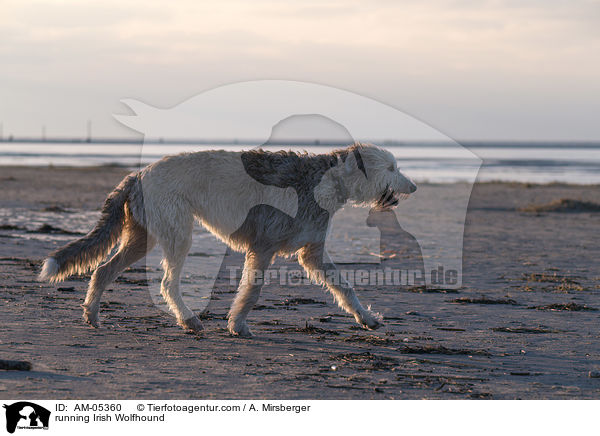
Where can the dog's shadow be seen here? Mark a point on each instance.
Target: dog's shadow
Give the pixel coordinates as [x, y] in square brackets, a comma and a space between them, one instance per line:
[399, 250]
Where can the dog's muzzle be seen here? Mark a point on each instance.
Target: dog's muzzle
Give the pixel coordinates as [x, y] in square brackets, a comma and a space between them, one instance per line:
[390, 198]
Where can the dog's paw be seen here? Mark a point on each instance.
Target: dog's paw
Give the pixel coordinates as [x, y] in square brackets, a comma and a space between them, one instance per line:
[241, 330]
[192, 324]
[370, 321]
[91, 318]
[373, 325]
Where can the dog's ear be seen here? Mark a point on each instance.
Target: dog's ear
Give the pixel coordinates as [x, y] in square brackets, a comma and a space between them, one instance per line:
[359, 162]
[354, 160]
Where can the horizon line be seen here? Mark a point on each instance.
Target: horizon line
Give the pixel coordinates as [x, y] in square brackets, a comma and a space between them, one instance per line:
[297, 142]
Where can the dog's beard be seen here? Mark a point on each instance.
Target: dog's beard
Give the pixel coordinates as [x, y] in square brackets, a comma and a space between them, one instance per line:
[389, 199]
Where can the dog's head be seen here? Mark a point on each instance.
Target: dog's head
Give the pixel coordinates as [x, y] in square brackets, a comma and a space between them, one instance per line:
[373, 178]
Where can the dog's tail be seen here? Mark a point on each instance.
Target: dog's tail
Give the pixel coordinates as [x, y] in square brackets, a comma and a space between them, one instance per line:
[86, 253]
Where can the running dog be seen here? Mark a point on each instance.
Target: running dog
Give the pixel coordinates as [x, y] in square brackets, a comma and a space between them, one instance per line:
[265, 204]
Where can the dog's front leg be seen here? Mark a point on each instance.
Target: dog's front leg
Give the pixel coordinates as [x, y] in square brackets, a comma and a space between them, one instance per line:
[248, 292]
[320, 268]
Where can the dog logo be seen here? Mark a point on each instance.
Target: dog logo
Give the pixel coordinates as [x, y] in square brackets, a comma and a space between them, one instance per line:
[26, 415]
[437, 226]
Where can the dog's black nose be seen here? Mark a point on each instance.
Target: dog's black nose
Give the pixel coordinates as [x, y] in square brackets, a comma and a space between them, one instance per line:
[412, 187]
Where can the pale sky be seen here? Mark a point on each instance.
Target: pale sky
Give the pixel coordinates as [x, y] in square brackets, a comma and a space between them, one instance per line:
[488, 69]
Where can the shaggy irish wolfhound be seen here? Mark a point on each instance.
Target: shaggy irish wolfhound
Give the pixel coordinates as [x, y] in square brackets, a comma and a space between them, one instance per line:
[261, 203]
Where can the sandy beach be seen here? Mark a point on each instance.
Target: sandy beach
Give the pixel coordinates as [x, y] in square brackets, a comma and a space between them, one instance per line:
[523, 325]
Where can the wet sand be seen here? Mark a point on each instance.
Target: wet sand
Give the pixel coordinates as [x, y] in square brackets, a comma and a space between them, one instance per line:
[523, 325]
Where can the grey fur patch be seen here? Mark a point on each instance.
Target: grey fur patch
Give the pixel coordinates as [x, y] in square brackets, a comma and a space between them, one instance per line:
[266, 226]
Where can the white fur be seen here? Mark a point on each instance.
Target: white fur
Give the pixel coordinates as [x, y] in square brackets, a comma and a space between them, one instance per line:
[217, 189]
[49, 270]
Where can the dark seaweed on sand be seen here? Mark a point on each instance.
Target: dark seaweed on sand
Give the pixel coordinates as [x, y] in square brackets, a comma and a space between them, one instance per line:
[440, 349]
[563, 205]
[308, 329]
[48, 229]
[373, 361]
[10, 227]
[534, 330]
[15, 365]
[372, 339]
[56, 209]
[573, 307]
[484, 300]
[297, 301]
[549, 278]
[426, 290]
[137, 282]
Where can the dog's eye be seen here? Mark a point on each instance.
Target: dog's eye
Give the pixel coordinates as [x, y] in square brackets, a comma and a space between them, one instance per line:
[391, 167]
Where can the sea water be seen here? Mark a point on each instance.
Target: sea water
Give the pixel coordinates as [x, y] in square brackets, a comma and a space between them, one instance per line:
[573, 163]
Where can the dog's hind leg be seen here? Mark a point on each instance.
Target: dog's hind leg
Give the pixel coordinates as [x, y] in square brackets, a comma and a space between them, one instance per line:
[135, 243]
[248, 292]
[176, 250]
[318, 266]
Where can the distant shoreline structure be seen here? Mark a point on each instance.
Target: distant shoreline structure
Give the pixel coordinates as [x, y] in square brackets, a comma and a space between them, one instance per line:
[308, 143]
